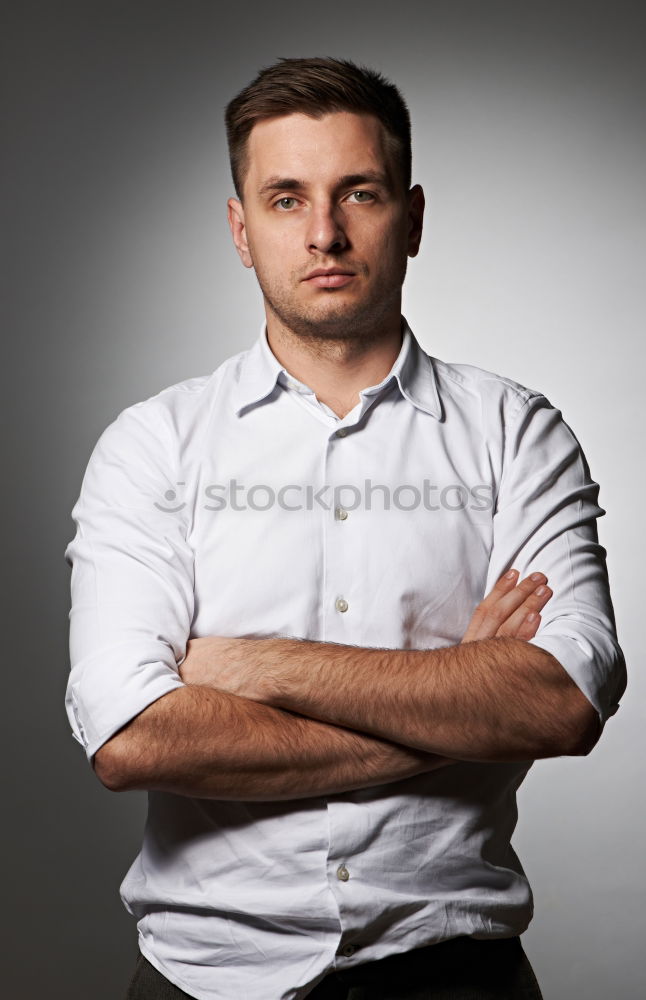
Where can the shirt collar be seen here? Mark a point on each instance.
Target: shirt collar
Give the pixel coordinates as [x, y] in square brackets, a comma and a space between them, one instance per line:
[256, 375]
[413, 370]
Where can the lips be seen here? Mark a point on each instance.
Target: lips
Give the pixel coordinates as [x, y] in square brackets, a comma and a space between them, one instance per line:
[333, 277]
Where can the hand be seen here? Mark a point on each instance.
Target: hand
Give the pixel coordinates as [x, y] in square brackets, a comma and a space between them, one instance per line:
[510, 609]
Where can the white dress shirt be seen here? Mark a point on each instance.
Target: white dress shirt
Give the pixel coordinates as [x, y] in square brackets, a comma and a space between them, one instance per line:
[236, 504]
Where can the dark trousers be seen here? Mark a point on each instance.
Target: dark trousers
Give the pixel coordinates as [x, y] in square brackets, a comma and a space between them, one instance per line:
[460, 969]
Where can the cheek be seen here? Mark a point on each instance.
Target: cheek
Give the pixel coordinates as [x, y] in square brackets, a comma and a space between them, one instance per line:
[272, 250]
[386, 236]
[390, 248]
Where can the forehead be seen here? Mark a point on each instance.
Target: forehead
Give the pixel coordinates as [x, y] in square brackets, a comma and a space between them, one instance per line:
[336, 144]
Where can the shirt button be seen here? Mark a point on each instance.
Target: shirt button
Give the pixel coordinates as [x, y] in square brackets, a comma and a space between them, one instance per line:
[341, 604]
[348, 950]
[341, 514]
[342, 873]
[342, 431]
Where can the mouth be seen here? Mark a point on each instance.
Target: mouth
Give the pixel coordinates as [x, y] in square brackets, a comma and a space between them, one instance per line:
[332, 277]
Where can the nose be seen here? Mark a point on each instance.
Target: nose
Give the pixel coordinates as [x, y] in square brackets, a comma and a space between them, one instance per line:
[325, 230]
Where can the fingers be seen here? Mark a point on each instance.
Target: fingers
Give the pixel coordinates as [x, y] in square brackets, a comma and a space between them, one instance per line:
[523, 623]
[506, 609]
[503, 586]
[505, 614]
[481, 625]
[528, 627]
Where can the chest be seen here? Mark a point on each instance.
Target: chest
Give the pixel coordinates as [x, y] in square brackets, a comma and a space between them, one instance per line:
[378, 537]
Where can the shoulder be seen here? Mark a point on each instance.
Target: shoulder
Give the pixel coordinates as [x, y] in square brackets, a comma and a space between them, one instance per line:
[501, 415]
[177, 416]
[156, 443]
[469, 386]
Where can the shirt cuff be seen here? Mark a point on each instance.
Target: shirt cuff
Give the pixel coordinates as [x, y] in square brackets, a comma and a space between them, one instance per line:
[110, 688]
[595, 665]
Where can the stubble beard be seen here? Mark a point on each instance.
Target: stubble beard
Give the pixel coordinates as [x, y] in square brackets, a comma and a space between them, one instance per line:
[341, 321]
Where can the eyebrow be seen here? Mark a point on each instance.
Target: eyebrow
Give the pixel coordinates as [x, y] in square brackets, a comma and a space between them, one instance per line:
[348, 180]
[280, 183]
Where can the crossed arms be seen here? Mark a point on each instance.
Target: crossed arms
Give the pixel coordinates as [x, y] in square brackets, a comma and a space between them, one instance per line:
[270, 719]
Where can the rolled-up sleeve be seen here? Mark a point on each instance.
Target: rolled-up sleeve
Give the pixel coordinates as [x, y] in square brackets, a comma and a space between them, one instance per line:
[132, 578]
[545, 520]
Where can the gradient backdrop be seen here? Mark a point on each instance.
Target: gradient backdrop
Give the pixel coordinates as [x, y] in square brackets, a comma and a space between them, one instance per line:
[530, 143]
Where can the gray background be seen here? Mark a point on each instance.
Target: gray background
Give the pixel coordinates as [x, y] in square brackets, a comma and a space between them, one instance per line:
[530, 142]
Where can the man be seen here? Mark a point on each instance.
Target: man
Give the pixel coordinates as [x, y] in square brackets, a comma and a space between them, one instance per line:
[279, 625]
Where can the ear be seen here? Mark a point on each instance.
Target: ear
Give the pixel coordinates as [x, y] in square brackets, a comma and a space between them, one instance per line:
[235, 215]
[416, 204]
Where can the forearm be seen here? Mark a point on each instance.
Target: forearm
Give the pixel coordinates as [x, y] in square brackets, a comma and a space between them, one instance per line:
[495, 699]
[206, 743]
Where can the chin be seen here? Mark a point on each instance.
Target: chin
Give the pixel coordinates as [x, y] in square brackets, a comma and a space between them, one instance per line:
[341, 324]
[335, 314]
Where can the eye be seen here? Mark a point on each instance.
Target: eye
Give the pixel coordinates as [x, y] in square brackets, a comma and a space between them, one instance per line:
[286, 204]
[362, 197]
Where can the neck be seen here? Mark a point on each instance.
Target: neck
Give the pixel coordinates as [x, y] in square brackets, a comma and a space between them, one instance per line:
[336, 369]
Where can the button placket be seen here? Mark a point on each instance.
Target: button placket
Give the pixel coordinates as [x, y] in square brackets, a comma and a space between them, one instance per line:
[343, 536]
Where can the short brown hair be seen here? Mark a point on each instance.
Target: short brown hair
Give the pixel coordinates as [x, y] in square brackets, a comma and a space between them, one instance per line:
[316, 87]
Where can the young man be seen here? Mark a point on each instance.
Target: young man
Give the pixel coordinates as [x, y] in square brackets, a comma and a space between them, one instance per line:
[278, 623]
